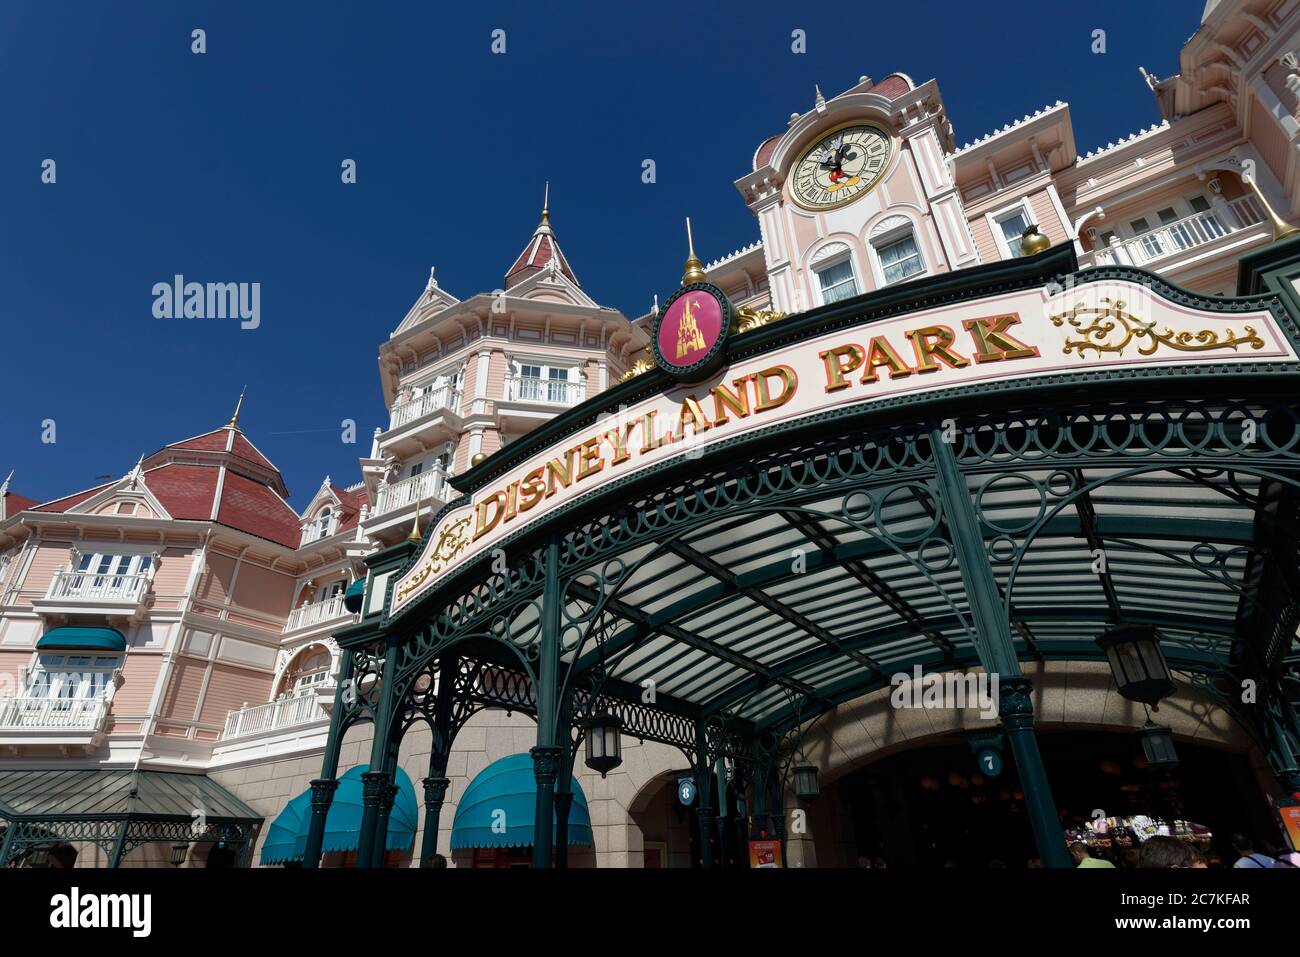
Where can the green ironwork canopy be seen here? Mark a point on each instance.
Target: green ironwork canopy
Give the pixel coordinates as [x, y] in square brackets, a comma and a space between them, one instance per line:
[719, 601]
[117, 809]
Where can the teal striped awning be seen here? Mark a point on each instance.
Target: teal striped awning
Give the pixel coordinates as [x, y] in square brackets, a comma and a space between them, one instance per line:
[286, 839]
[82, 638]
[499, 806]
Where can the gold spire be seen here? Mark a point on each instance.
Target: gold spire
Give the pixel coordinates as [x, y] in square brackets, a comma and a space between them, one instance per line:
[234, 419]
[416, 535]
[546, 203]
[694, 268]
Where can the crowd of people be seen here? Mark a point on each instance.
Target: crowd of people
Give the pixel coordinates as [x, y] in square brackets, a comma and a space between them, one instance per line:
[1156, 852]
[1172, 853]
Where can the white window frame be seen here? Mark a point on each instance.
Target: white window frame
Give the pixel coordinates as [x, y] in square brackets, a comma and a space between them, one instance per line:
[136, 563]
[87, 676]
[571, 368]
[817, 268]
[454, 373]
[995, 217]
[888, 239]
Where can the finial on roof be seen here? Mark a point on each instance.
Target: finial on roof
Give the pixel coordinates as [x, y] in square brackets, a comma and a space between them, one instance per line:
[654, 310]
[234, 419]
[415, 534]
[694, 268]
[546, 205]
[432, 281]
[819, 101]
[135, 473]
[4, 486]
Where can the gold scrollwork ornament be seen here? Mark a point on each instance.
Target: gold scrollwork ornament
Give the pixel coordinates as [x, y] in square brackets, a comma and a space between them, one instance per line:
[1109, 328]
[452, 541]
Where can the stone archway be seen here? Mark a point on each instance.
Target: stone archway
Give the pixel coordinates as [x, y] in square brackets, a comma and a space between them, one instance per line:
[1068, 695]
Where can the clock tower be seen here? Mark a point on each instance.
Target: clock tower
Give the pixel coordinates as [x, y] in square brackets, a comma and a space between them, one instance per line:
[857, 194]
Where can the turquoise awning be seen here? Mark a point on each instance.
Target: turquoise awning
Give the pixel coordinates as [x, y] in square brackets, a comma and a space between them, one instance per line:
[497, 808]
[281, 845]
[82, 638]
[286, 839]
[355, 596]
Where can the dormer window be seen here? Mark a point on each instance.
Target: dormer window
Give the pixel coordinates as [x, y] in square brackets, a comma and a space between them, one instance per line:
[322, 526]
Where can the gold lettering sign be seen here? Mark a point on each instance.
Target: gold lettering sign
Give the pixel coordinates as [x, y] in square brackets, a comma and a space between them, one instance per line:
[1022, 333]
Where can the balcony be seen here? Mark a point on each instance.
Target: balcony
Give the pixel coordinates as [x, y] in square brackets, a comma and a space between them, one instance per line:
[63, 722]
[302, 707]
[89, 593]
[523, 388]
[308, 616]
[435, 400]
[430, 486]
[1163, 247]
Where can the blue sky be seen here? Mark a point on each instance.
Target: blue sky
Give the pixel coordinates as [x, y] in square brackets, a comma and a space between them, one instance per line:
[225, 167]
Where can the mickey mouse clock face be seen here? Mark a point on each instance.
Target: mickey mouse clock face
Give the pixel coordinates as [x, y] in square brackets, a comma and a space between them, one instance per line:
[841, 166]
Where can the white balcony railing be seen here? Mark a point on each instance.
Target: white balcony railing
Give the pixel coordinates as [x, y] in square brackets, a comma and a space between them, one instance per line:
[1181, 235]
[428, 486]
[53, 714]
[90, 586]
[299, 708]
[444, 397]
[527, 388]
[305, 616]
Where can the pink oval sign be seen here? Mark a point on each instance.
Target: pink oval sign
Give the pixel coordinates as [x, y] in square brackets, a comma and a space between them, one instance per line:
[690, 328]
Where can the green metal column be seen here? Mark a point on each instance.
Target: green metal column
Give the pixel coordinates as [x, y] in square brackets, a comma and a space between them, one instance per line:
[119, 846]
[323, 788]
[564, 789]
[387, 797]
[997, 652]
[435, 785]
[375, 780]
[703, 791]
[10, 842]
[547, 755]
[563, 802]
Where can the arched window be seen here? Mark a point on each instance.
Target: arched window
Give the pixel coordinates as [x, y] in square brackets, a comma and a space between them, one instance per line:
[323, 522]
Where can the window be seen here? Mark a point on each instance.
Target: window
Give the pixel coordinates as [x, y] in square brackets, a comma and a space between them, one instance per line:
[837, 282]
[323, 523]
[900, 258]
[1204, 212]
[1010, 227]
[537, 382]
[72, 677]
[313, 669]
[101, 570]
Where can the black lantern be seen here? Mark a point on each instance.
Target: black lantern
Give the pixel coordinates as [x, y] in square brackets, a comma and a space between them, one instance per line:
[604, 744]
[1158, 746]
[805, 782]
[1138, 663]
[180, 851]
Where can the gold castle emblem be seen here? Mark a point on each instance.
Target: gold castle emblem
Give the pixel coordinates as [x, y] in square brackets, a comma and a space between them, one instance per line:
[688, 331]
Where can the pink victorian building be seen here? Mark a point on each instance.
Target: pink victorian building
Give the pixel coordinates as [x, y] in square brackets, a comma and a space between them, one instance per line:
[174, 625]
